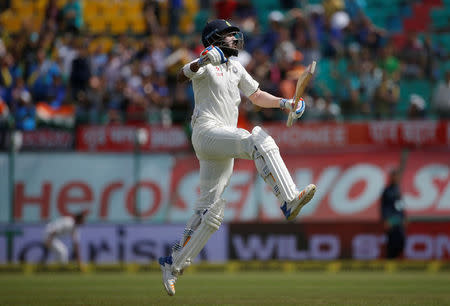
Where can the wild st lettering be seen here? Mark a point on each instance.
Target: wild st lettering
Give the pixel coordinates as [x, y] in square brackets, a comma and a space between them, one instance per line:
[255, 246]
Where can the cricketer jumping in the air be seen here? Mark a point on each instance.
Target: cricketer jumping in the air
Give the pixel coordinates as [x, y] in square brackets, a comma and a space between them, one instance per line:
[217, 81]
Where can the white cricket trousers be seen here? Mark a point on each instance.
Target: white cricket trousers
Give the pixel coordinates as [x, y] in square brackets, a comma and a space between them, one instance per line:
[59, 249]
[216, 147]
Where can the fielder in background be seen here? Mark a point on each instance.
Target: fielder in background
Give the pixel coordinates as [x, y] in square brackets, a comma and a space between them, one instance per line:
[64, 226]
[217, 81]
[393, 215]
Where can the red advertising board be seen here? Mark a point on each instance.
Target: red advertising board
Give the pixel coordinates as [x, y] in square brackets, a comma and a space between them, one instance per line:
[331, 240]
[297, 139]
[352, 135]
[349, 185]
[122, 138]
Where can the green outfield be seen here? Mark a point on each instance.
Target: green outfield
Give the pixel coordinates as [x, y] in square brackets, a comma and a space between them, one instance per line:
[213, 288]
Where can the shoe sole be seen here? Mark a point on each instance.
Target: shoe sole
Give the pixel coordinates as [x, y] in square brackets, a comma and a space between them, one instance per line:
[309, 195]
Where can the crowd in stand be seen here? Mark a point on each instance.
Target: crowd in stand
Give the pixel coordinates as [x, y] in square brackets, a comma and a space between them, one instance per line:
[134, 80]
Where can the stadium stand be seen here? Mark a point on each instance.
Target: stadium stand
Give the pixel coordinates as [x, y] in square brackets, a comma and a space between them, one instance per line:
[408, 41]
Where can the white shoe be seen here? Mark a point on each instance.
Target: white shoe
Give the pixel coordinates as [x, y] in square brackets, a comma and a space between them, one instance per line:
[168, 278]
[291, 210]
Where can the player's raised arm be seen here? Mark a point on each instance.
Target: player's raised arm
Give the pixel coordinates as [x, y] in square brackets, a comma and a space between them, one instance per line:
[211, 55]
[266, 100]
[181, 76]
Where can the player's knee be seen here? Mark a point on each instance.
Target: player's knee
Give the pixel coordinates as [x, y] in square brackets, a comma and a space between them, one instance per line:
[262, 142]
[213, 217]
[212, 220]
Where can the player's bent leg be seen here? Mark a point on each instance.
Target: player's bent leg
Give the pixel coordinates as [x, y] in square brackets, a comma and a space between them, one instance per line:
[60, 251]
[211, 220]
[272, 169]
[169, 279]
[197, 234]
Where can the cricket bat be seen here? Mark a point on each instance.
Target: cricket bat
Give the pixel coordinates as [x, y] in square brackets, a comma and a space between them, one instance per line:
[302, 82]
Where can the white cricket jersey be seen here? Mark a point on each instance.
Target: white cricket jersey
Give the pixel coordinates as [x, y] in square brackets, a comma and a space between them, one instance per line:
[216, 92]
[61, 227]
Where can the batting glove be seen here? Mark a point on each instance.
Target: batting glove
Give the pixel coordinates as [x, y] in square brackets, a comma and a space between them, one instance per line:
[288, 104]
[212, 55]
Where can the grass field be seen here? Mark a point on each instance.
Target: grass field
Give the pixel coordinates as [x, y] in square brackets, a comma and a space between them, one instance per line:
[212, 288]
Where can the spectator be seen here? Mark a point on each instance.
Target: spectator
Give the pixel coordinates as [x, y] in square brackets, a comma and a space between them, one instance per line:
[369, 35]
[94, 94]
[72, 16]
[393, 215]
[175, 9]
[441, 97]
[115, 98]
[99, 59]
[371, 77]
[4, 114]
[416, 108]
[16, 92]
[66, 51]
[80, 72]
[42, 73]
[225, 9]
[25, 112]
[352, 107]
[4, 123]
[137, 110]
[6, 75]
[386, 97]
[57, 92]
[389, 62]
[271, 37]
[327, 109]
[51, 17]
[414, 56]
[246, 13]
[152, 15]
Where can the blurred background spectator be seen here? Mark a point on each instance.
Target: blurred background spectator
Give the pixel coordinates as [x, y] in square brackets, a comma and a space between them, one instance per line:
[441, 97]
[72, 16]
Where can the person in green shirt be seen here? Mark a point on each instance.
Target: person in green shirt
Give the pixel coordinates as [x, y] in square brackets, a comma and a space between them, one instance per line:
[72, 14]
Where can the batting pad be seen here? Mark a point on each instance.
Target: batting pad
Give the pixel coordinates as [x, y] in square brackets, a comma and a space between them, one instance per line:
[271, 166]
[189, 230]
[211, 221]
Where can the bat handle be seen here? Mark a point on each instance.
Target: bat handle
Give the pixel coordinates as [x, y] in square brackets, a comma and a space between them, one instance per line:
[290, 120]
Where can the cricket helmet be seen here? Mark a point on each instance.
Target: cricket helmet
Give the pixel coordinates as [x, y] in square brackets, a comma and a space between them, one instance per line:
[215, 33]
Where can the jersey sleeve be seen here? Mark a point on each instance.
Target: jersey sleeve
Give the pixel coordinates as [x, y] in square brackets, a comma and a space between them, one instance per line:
[247, 84]
[201, 72]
